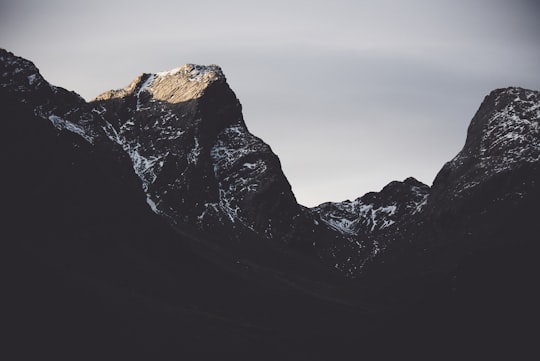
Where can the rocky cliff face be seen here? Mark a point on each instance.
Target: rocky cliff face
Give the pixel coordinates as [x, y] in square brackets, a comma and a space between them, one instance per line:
[503, 136]
[199, 164]
[486, 196]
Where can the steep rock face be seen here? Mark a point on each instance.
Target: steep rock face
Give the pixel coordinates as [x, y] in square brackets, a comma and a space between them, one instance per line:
[503, 136]
[199, 164]
[490, 189]
[65, 110]
[484, 200]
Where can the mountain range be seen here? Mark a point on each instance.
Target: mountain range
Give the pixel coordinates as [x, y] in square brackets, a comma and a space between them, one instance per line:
[150, 223]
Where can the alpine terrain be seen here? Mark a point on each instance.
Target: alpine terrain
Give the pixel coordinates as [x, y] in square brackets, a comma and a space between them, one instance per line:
[150, 224]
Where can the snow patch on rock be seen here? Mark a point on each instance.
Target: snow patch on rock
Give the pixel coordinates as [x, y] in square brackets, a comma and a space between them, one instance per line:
[62, 124]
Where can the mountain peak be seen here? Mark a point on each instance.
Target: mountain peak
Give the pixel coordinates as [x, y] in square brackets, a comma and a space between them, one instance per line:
[21, 76]
[194, 72]
[503, 135]
[181, 84]
[198, 163]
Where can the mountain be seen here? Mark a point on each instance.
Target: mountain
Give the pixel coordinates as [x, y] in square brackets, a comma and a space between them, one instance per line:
[150, 223]
[199, 165]
[483, 198]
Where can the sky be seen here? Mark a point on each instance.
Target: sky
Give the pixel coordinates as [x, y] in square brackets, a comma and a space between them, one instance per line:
[349, 94]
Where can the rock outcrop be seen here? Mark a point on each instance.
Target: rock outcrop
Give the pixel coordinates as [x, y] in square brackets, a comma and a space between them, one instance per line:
[199, 164]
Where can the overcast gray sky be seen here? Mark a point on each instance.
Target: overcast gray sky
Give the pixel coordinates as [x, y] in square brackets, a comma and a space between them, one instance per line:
[350, 94]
